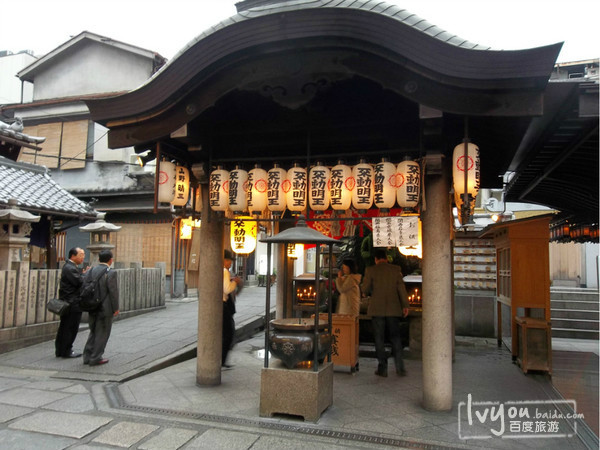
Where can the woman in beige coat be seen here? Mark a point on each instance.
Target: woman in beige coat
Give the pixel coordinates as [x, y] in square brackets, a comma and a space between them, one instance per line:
[348, 285]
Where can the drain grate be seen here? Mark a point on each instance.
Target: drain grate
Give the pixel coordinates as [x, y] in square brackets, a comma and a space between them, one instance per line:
[117, 401]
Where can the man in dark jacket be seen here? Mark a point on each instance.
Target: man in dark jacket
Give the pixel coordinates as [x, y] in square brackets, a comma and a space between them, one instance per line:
[100, 321]
[70, 284]
[388, 303]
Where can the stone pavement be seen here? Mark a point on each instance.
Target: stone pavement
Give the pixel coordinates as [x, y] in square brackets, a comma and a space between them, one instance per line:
[146, 396]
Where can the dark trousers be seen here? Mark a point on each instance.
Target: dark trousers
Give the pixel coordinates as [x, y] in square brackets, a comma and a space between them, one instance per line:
[392, 326]
[67, 332]
[100, 327]
[228, 328]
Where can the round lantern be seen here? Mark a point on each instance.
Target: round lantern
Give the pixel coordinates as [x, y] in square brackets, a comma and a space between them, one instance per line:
[257, 190]
[182, 186]
[318, 182]
[166, 182]
[384, 185]
[408, 180]
[362, 195]
[218, 194]
[466, 159]
[276, 198]
[238, 190]
[341, 186]
[243, 235]
[295, 188]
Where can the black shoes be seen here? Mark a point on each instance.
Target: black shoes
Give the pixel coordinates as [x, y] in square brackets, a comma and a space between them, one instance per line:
[381, 373]
[70, 355]
[98, 363]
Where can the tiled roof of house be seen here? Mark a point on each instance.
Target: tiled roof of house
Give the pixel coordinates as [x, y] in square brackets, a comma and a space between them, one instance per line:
[36, 192]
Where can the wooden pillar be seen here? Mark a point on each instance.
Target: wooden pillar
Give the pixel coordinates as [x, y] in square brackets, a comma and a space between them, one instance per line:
[437, 288]
[210, 298]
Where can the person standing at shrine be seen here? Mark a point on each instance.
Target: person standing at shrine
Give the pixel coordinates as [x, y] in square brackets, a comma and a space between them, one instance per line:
[388, 303]
[230, 285]
[348, 285]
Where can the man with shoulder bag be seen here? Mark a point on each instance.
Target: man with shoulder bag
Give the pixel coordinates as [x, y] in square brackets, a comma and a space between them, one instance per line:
[100, 320]
[71, 280]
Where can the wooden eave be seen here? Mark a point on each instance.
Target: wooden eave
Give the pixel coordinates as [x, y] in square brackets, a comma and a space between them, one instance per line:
[452, 69]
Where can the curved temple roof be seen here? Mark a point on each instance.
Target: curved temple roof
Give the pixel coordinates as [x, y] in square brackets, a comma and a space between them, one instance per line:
[375, 26]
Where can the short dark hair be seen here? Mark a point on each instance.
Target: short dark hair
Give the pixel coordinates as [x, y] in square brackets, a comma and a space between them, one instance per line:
[105, 256]
[350, 263]
[228, 254]
[73, 252]
[380, 253]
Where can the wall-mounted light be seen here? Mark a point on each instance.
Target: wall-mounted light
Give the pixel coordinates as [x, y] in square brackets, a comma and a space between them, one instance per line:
[186, 227]
[145, 157]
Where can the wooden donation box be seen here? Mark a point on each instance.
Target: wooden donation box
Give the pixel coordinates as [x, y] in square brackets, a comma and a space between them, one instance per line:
[535, 349]
[523, 288]
[344, 342]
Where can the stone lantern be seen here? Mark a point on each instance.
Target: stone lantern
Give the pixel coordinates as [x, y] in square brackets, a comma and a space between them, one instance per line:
[99, 236]
[15, 227]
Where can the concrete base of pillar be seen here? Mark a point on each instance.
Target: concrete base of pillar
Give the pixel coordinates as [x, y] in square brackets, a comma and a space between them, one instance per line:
[298, 392]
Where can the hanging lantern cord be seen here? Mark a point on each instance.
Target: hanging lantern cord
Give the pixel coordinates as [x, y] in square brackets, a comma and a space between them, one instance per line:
[466, 207]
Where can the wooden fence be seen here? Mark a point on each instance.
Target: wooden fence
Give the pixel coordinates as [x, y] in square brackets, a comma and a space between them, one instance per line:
[24, 294]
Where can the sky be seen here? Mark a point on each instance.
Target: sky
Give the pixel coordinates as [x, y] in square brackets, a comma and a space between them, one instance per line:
[167, 26]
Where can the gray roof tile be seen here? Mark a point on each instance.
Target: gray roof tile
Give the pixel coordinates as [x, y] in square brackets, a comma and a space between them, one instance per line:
[34, 190]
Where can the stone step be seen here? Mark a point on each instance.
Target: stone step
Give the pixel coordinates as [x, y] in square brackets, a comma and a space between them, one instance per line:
[591, 295]
[575, 304]
[575, 334]
[557, 313]
[576, 324]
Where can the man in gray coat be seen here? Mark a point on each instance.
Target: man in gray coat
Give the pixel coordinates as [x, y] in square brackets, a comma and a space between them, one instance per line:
[388, 303]
[100, 321]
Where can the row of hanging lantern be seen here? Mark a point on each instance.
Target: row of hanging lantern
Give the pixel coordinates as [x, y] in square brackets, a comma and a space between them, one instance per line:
[340, 187]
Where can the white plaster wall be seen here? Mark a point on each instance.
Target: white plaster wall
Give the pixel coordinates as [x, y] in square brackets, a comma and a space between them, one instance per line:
[101, 150]
[91, 68]
[95, 176]
[10, 85]
[592, 263]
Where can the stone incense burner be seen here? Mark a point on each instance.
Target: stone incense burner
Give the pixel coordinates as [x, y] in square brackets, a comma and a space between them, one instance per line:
[292, 340]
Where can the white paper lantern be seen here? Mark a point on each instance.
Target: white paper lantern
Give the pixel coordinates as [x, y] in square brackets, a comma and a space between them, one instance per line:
[472, 166]
[257, 190]
[276, 198]
[384, 185]
[318, 193]
[182, 186]
[341, 186]
[218, 194]
[166, 182]
[362, 195]
[408, 179]
[238, 190]
[295, 188]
